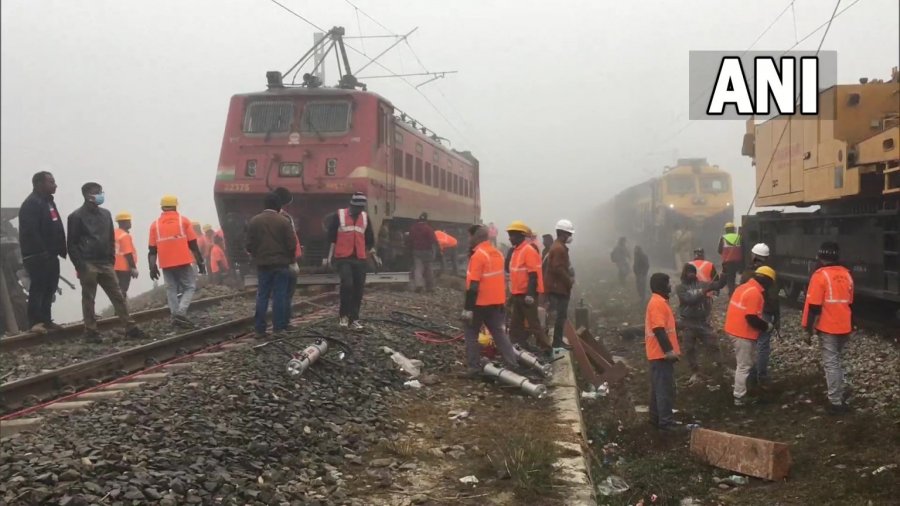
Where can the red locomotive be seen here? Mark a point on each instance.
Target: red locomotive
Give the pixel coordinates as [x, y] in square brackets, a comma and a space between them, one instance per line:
[326, 143]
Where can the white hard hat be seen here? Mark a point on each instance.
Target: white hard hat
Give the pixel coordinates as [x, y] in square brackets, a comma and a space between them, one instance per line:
[565, 226]
[760, 249]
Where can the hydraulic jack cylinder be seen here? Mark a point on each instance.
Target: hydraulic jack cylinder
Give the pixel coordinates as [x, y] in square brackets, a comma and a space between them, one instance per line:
[510, 378]
[529, 359]
[302, 360]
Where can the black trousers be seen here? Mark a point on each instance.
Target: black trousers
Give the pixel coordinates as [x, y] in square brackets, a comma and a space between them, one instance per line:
[124, 278]
[559, 305]
[353, 281]
[43, 271]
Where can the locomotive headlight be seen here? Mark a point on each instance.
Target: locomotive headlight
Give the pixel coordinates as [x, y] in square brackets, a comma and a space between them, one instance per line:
[671, 206]
[331, 166]
[728, 204]
[290, 170]
[250, 170]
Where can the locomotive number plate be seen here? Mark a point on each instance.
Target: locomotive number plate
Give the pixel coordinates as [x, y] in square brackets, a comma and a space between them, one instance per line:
[237, 187]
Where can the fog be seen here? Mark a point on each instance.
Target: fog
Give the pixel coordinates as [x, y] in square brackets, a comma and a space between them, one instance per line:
[563, 104]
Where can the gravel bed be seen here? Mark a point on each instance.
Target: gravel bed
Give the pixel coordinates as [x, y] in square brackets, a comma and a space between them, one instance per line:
[235, 430]
[30, 361]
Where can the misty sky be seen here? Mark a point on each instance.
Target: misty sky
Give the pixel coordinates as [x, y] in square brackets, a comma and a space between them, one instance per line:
[134, 94]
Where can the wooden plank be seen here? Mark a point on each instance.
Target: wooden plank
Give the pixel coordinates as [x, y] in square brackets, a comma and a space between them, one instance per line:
[761, 458]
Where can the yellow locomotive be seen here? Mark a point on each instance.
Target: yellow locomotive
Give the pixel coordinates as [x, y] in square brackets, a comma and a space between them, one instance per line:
[674, 213]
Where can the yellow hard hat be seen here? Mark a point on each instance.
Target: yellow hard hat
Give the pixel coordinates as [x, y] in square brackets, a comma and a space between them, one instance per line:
[485, 339]
[729, 225]
[766, 271]
[518, 226]
[168, 201]
[123, 216]
[207, 227]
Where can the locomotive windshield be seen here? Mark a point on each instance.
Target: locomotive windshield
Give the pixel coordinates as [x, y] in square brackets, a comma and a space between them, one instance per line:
[680, 185]
[325, 118]
[268, 117]
[713, 184]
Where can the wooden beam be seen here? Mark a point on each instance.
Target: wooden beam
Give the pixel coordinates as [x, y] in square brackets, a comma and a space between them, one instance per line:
[761, 458]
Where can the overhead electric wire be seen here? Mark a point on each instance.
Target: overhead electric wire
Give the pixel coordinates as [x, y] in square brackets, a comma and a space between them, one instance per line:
[386, 69]
[788, 122]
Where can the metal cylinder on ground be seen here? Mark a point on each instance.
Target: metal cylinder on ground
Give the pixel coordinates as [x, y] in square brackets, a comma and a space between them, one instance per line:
[510, 378]
[301, 361]
[529, 359]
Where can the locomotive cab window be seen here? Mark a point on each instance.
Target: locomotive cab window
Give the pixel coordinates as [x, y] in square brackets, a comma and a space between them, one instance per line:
[713, 184]
[325, 118]
[680, 185]
[268, 117]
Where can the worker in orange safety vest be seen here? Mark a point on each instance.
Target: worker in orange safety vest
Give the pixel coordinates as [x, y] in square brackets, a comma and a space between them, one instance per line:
[526, 284]
[828, 313]
[485, 297]
[661, 346]
[447, 243]
[218, 262]
[126, 257]
[351, 236]
[744, 322]
[173, 245]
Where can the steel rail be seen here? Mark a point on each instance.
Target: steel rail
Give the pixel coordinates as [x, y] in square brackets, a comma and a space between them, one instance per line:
[30, 339]
[14, 394]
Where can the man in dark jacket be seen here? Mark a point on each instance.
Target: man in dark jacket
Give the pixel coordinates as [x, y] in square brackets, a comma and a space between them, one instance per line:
[620, 256]
[271, 244]
[559, 280]
[641, 267]
[92, 248]
[42, 240]
[423, 244]
[694, 308]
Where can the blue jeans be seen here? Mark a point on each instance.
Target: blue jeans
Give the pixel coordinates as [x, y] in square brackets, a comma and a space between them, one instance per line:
[760, 370]
[272, 282]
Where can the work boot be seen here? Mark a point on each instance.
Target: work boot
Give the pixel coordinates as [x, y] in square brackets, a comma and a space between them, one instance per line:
[356, 325]
[838, 409]
[344, 322]
[135, 333]
[260, 334]
[182, 321]
[53, 326]
[39, 328]
[92, 336]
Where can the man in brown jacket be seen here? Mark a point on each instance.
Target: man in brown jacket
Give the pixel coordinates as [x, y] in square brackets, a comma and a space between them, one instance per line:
[271, 243]
[559, 279]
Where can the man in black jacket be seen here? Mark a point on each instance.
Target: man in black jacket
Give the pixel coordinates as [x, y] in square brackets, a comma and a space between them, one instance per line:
[694, 308]
[92, 248]
[640, 268]
[42, 240]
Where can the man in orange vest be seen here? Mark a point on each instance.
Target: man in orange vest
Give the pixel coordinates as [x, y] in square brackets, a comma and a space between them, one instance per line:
[732, 255]
[448, 244]
[218, 262]
[484, 301]
[661, 346]
[208, 236]
[828, 313]
[126, 257]
[351, 236]
[526, 284]
[744, 322]
[173, 245]
[202, 243]
[706, 271]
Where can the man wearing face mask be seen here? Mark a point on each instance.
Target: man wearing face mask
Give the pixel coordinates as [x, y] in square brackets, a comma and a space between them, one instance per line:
[560, 279]
[92, 248]
[661, 346]
[744, 323]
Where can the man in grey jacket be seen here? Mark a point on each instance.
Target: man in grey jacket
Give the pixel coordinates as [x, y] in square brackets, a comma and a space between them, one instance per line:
[694, 308]
[92, 248]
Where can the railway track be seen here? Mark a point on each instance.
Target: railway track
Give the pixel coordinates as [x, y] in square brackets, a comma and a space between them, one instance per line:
[31, 339]
[86, 376]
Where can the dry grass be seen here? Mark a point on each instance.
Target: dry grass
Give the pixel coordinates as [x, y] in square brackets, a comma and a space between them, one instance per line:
[528, 462]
